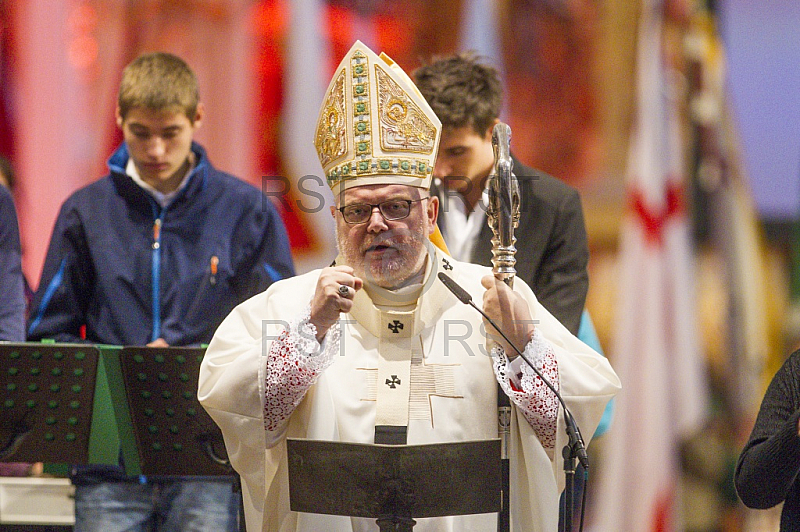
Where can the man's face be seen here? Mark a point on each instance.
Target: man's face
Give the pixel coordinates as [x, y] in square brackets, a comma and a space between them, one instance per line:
[465, 159]
[386, 252]
[159, 142]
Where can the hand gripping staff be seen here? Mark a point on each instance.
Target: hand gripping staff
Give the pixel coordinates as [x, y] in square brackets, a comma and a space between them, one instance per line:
[502, 214]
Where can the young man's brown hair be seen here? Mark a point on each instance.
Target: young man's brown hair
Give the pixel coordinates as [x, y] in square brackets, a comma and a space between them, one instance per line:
[159, 81]
[462, 91]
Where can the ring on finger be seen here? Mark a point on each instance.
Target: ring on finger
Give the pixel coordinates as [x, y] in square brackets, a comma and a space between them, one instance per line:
[344, 290]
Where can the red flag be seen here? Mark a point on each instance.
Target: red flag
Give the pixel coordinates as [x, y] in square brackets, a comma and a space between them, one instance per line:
[6, 81]
[655, 350]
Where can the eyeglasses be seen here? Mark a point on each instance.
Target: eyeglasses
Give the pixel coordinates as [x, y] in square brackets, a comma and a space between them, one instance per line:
[395, 209]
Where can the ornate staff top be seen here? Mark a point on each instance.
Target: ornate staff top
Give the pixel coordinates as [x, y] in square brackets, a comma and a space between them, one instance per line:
[502, 213]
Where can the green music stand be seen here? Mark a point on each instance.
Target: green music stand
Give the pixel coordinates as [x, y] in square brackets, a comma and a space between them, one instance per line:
[55, 405]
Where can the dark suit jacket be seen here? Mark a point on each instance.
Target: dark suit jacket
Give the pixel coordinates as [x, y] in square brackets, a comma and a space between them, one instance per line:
[552, 249]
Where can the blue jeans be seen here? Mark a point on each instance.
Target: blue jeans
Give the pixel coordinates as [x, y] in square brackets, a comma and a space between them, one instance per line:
[163, 506]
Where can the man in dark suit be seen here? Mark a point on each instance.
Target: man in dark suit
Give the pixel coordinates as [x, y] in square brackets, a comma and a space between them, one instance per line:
[552, 250]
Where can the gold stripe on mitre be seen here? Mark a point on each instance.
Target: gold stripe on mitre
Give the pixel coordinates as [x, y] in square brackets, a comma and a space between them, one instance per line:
[374, 126]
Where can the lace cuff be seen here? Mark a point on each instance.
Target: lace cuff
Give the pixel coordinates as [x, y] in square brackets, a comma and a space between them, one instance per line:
[294, 363]
[535, 400]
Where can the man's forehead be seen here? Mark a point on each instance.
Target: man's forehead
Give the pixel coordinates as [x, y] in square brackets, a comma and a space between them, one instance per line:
[156, 118]
[459, 136]
[369, 193]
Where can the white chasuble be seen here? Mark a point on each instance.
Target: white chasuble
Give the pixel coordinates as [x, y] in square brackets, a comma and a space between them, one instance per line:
[452, 396]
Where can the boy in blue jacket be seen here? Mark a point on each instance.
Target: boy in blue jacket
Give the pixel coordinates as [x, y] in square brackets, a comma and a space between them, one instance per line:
[156, 253]
[12, 309]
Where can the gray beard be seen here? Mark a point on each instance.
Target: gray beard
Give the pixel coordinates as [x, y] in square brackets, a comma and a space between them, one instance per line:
[392, 272]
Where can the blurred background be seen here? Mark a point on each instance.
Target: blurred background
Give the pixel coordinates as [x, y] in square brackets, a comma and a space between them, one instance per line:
[571, 70]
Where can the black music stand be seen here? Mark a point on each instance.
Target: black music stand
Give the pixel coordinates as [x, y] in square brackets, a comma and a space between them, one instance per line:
[55, 405]
[394, 483]
[173, 433]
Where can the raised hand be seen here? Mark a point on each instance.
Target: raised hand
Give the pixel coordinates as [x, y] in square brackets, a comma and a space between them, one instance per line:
[510, 312]
[336, 287]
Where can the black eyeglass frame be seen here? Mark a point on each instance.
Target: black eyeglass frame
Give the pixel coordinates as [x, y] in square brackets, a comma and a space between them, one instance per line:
[380, 209]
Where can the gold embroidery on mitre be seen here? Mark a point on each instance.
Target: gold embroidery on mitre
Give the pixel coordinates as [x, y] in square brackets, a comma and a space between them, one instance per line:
[361, 108]
[331, 138]
[364, 136]
[403, 125]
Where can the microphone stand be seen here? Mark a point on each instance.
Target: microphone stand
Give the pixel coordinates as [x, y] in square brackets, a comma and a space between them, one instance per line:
[575, 447]
[570, 455]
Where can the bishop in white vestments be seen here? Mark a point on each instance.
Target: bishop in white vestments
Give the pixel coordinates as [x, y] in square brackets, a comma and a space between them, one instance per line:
[375, 349]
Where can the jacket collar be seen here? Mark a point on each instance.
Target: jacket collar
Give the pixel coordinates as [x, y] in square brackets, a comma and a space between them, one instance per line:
[129, 189]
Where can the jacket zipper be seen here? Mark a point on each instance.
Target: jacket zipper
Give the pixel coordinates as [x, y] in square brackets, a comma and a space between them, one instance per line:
[156, 277]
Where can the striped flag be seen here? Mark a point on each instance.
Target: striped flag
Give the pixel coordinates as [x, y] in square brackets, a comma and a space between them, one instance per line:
[480, 29]
[655, 350]
[306, 76]
[481, 32]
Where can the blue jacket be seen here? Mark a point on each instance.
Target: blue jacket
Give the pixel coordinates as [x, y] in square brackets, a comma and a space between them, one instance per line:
[12, 295]
[132, 272]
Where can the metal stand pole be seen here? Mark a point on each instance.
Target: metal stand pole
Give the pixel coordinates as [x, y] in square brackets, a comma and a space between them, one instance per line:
[569, 480]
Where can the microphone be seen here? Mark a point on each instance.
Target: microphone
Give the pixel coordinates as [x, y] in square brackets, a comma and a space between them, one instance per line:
[457, 291]
[576, 445]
